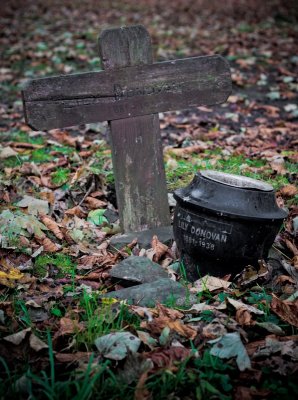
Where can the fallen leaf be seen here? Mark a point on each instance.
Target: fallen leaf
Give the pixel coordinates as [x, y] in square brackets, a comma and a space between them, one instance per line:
[286, 310]
[239, 305]
[168, 312]
[17, 338]
[134, 366]
[95, 203]
[159, 323]
[34, 205]
[198, 308]
[69, 326]
[97, 217]
[36, 343]
[278, 165]
[73, 357]
[270, 327]
[159, 249]
[77, 210]
[186, 151]
[51, 225]
[9, 274]
[7, 152]
[272, 346]
[211, 283]
[243, 317]
[147, 339]
[289, 191]
[115, 346]
[166, 358]
[228, 346]
[214, 330]
[48, 245]
[63, 137]
[292, 247]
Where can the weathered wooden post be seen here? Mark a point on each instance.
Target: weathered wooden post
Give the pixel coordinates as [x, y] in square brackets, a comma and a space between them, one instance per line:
[129, 94]
[138, 165]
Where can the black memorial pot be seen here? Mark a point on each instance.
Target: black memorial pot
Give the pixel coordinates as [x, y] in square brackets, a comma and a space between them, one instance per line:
[224, 222]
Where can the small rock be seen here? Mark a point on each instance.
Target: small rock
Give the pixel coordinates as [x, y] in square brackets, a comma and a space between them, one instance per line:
[111, 215]
[162, 290]
[295, 224]
[164, 234]
[138, 270]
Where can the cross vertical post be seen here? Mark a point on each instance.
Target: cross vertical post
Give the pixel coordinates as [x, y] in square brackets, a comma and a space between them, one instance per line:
[136, 141]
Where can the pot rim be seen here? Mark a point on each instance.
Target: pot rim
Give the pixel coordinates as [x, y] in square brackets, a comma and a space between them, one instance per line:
[236, 181]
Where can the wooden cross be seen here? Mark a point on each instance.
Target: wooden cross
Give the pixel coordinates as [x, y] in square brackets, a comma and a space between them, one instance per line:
[129, 94]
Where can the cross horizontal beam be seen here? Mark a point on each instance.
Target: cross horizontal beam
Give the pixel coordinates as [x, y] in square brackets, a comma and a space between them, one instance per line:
[75, 99]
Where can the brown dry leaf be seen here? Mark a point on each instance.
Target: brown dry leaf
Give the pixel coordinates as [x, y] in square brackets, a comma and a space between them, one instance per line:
[147, 339]
[278, 165]
[48, 196]
[214, 330]
[49, 246]
[243, 317]
[93, 276]
[289, 191]
[286, 310]
[77, 211]
[158, 324]
[211, 283]
[243, 393]
[85, 153]
[37, 344]
[95, 203]
[88, 262]
[284, 279]
[17, 338]
[159, 248]
[69, 326]
[63, 137]
[97, 193]
[144, 312]
[141, 392]
[73, 357]
[166, 358]
[291, 246]
[186, 151]
[80, 172]
[239, 305]
[47, 182]
[247, 276]
[164, 311]
[51, 225]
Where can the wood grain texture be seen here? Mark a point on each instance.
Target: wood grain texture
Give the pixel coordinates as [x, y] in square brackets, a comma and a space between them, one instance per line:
[124, 92]
[136, 143]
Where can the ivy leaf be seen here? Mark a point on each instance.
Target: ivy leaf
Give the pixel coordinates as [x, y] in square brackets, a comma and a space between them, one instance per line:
[97, 217]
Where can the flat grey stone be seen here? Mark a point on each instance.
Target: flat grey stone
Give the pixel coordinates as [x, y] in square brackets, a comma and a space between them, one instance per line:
[164, 234]
[162, 290]
[138, 270]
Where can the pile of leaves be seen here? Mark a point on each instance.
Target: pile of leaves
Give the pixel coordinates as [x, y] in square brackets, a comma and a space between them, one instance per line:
[59, 335]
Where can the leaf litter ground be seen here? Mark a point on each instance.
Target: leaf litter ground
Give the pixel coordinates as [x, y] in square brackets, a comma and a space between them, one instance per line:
[59, 337]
